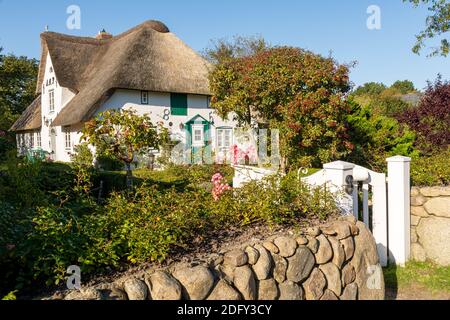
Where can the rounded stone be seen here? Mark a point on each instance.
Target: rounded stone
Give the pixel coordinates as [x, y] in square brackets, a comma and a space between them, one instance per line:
[329, 295]
[268, 290]
[349, 247]
[315, 285]
[313, 244]
[325, 252]
[235, 258]
[313, 231]
[348, 274]
[418, 200]
[438, 206]
[301, 241]
[224, 291]
[290, 291]
[339, 229]
[280, 268]
[271, 247]
[286, 245]
[350, 292]
[369, 274]
[419, 211]
[84, 294]
[333, 276]
[300, 265]
[197, 281]
[418, 253]
[164, 287]
[135, 289]
[263, 266]
[114, 294]
[415, 220]
[252, 254]
[434, 235]
[435, 191]
[244, 281]
[338, 252]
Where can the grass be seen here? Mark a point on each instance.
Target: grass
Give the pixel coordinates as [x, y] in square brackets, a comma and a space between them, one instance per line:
[433, 277]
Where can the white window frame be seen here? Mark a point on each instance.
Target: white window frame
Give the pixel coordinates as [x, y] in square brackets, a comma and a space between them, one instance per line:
[220, 138]
[201, 142]
[51, 100]
[67, 139]
[38, 139]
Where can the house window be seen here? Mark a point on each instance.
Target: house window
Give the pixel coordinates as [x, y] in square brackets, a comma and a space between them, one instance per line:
[208, 102]
[51, 100]
[38, 139]
[178, 104]
[32, 144]
[67, 139]
[197, 136]
[224, 138]
[144, 97]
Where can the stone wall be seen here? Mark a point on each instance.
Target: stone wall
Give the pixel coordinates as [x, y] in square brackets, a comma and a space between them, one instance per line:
[430, 224]
[336, 261]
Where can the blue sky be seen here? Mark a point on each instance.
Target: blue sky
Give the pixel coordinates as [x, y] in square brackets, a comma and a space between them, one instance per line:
[320, 25]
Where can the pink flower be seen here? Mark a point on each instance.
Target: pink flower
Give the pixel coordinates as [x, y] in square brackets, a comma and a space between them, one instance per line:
[219, 186]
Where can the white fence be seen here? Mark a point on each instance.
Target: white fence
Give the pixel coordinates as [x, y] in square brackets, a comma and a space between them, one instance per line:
[382, 203]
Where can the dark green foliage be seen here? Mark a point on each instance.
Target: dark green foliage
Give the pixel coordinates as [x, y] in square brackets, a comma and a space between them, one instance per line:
[108, 163]
[377, 137]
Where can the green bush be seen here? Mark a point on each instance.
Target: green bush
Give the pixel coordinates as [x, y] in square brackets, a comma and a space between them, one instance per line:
[432, 170]
[39, 242]
[377, 137]
[274, 200]
[109, 163]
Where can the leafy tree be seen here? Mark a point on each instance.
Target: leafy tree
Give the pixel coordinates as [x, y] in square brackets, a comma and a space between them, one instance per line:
[404, 86]
[437, 24]
[431, 118]
[370, 88]
[240, 46]
[377, 136]
[295, 91]
[123, 134]
[18, 77]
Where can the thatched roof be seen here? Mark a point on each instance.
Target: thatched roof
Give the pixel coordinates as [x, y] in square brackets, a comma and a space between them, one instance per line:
[147, 57]
[30, 118]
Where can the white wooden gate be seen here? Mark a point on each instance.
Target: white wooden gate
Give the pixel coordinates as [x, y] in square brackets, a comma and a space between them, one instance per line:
[381, 202]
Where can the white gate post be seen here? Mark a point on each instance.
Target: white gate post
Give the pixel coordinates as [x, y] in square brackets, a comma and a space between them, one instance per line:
[399, 209]
[336, 173]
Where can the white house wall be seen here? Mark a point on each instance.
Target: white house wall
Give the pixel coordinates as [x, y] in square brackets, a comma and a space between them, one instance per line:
[159, 104]
[62, 97]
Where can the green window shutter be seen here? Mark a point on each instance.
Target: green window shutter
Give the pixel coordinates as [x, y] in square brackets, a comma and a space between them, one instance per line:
[178, 104]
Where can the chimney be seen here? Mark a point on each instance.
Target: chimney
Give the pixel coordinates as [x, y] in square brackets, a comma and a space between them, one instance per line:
[103, 35]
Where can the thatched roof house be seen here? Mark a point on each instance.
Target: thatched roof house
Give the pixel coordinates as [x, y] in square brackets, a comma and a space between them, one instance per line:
[147, 57]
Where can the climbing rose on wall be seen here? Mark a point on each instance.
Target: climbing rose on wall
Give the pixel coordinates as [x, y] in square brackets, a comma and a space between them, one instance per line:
[219, 186]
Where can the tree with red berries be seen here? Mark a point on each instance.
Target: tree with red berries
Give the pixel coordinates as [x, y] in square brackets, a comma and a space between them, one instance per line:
[300, 93]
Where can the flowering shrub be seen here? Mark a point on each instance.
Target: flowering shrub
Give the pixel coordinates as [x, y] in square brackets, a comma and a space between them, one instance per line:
[219, 186]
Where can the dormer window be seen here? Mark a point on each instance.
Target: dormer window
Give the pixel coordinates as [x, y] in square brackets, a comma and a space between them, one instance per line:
[51, 69]
[51, 100]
